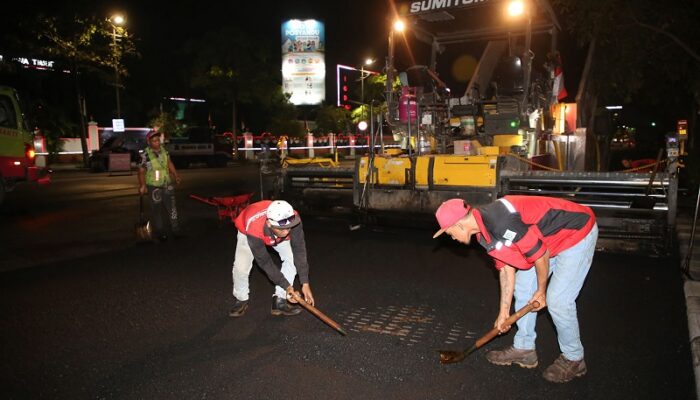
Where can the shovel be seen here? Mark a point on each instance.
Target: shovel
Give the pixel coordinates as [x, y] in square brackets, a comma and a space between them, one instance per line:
[451, 357]
[323, 317]
[142, 227]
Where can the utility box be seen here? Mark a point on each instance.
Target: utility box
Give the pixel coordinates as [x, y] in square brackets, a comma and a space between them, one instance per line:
[119, 162]
[501, 124]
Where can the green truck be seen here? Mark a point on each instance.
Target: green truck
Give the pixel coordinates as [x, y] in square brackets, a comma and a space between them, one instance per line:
[17, 155]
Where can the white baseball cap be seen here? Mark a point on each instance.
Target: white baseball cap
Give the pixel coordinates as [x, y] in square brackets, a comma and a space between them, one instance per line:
[281, 215]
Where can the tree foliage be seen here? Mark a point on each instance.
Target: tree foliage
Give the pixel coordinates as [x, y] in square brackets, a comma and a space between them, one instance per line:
[334, 119]
[86, 43]
[166, 123]
[643, 47]
[643, 53]
[229, 66]
[53, 124]
[283, 120]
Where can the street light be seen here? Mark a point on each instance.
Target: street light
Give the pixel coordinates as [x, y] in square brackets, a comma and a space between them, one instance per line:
[398, 26]
[516, 9]
[368, 61]
[117, 21]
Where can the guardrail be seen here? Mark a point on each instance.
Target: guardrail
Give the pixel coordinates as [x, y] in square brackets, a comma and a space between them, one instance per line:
[308, 146]
[311, 146]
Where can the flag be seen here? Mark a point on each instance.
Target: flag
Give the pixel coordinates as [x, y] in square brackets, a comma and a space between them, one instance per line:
[558, 90]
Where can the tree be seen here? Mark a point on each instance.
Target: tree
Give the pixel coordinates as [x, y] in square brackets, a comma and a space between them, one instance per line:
[230, 66]
[166, 123]
[85, 43]
[53, 124]
[283, 119]
[637, 49]
[374, 88]
[332, 119]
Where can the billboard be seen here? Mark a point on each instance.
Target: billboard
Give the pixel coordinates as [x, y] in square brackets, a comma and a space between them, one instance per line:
[303, 64]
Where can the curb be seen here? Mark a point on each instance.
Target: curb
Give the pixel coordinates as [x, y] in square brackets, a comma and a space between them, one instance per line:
[692, 300]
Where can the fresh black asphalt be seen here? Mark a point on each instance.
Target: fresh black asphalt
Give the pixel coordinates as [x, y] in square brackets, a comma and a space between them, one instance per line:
[150, 321]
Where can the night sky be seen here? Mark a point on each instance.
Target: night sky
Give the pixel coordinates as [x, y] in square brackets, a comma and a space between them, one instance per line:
[354, 30]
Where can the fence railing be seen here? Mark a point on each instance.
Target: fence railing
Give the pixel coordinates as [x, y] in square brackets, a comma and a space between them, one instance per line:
[249, 144]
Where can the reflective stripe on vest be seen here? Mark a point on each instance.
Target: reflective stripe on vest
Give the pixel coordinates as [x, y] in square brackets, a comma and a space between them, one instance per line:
[158, 174]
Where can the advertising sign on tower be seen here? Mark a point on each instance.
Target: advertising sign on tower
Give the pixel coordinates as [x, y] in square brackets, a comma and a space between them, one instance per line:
[303, 64]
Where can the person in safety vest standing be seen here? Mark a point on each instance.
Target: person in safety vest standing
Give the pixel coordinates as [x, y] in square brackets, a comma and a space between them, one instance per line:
[156, 176]
[543, 248]
[270, 224]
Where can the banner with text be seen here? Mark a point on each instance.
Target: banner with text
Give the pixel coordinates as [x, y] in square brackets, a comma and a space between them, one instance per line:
[303, 63]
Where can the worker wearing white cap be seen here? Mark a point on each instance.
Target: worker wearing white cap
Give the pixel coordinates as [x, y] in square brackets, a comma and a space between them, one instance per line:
[270, 224]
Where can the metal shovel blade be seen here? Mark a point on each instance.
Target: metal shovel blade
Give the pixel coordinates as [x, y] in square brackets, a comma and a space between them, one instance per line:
[451, 357]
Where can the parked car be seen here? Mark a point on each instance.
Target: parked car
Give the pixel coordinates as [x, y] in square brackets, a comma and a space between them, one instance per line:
[200, 145]
[119, 143]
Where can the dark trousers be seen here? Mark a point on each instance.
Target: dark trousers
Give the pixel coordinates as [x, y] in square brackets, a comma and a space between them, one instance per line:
[162, 201]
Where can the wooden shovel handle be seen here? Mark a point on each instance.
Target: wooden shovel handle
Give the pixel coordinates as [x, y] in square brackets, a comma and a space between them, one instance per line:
[510, 321]
[315, 311]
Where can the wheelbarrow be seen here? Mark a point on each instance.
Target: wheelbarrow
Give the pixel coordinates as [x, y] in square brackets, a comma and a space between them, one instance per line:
[227, 207]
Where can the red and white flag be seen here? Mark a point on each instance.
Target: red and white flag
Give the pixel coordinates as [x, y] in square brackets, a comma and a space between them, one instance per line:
[558, 90]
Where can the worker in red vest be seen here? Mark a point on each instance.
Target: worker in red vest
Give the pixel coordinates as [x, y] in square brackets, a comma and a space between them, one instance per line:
[543, 248]
[277, 225]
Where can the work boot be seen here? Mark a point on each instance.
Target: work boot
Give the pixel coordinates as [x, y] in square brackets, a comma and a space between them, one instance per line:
[563, 370]
[511, 355]
[238, 309]
[283, 307]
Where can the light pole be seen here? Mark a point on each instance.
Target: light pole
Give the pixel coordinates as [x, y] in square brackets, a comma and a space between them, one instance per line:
[367, 62]
[397, 27]
[518, 8]
[117, 20]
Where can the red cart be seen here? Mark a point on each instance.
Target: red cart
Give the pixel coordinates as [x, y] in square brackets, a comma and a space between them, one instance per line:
[227, 207]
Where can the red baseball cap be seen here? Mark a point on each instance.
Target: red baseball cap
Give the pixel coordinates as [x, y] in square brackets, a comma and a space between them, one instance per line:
[449, 213]
[151, 134]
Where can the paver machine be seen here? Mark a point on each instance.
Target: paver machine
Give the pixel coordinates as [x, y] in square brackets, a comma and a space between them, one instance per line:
[507, 133]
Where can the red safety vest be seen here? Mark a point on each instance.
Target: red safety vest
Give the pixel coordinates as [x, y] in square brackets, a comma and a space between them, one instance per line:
[518, 230]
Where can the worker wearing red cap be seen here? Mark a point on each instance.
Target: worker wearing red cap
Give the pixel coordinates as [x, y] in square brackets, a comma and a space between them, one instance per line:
[156, 177]
[543, 248]
[277, 225]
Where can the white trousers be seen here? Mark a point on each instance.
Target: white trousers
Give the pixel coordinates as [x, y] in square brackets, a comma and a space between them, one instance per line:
[243, 263]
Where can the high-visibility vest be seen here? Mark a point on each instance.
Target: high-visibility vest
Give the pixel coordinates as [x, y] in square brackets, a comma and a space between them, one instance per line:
[158, 174]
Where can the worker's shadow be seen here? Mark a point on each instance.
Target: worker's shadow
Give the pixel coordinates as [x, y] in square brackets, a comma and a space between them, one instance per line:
[473, 253]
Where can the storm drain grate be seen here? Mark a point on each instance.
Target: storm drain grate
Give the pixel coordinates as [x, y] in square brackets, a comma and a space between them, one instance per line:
[411, 324]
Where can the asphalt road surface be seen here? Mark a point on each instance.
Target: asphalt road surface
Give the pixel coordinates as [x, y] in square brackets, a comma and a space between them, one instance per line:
[87, 313]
